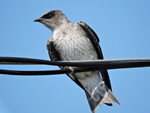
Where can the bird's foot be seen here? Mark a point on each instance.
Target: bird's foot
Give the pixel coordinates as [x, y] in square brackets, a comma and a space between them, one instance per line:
[70, 68]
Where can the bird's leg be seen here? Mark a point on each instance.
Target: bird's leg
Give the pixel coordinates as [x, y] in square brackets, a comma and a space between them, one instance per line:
[70, 68]
[71, 73]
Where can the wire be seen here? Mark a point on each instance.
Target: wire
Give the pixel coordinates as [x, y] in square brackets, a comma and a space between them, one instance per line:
[47, 72]
[81, 66]
[86, 63]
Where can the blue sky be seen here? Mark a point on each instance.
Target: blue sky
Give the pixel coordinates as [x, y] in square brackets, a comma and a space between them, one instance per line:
[123, 27]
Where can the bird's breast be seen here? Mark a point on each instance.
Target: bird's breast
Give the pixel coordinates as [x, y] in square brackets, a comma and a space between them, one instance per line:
[74, 45]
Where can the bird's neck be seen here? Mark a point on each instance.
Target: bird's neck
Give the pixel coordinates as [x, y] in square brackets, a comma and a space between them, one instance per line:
[61, 25]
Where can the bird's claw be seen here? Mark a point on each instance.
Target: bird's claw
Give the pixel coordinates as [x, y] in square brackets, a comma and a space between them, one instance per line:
[70, 68]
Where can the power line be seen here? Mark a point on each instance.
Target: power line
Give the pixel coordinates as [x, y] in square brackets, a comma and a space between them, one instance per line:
[80, 66]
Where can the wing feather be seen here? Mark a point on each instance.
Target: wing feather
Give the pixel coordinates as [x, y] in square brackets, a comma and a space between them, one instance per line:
[95, 41]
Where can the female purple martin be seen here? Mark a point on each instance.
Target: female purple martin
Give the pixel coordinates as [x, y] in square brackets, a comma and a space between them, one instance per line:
[74, 42]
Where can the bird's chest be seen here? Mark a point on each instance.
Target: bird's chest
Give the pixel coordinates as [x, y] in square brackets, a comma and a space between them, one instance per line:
[74, 46]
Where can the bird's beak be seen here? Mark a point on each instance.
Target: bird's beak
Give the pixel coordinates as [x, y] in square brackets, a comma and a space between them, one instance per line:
[38, 20]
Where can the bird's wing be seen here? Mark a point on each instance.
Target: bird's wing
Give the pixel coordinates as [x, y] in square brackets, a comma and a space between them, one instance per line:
[55, 56]
[95, 41]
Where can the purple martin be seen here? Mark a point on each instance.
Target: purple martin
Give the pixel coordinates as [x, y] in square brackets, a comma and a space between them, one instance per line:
[74, 42]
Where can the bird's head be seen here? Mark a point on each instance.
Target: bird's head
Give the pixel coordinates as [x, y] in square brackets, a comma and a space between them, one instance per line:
[52, 19]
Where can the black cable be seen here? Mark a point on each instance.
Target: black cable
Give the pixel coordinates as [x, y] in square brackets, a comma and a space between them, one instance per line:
[46, 72]
[88, 63]
[84, 65]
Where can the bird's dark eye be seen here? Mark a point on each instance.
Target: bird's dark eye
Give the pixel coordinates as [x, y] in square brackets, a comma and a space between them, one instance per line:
[48, 15]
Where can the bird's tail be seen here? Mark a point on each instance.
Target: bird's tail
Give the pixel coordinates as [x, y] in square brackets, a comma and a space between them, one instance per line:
[97, 92]
[107, 99]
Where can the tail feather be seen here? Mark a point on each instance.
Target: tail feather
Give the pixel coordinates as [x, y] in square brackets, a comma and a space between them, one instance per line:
[107, 99]
[93, 104]
[96, 91]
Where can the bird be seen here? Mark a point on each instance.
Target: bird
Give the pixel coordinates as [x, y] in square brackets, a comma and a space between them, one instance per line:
[76, 42]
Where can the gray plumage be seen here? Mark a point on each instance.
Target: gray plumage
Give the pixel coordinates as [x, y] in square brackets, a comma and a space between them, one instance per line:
[73, 42]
